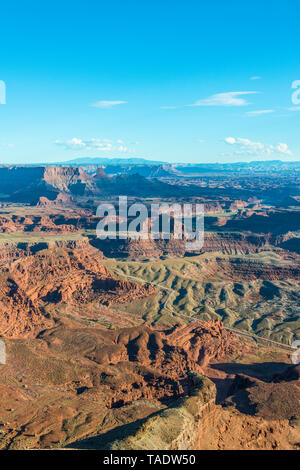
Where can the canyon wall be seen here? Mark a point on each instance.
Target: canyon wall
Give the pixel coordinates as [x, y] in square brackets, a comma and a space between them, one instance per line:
[176, 427]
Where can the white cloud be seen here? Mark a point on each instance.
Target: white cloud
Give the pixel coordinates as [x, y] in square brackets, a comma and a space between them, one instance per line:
[248, 147]
[260, 111]
[230, 140]
[107, 104]
[231, 98]
[283, 148]
[99, 145]
[255, 77]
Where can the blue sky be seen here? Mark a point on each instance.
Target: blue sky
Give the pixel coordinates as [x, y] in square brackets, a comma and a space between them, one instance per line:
[166, 80]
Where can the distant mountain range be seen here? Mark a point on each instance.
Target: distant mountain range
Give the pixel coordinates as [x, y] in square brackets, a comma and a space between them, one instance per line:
[153, 168]
[150, 168]
[109, 161]
[156, 169]
[27, 184]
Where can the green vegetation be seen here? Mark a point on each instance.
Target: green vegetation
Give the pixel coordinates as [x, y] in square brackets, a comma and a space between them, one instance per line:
[37, 237]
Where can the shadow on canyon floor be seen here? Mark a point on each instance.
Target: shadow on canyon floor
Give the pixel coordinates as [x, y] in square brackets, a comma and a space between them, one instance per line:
[263, 371]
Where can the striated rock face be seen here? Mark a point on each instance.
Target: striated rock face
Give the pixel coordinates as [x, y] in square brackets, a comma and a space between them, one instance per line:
[228, 243]
[140, 249]
[68, 179]
[28, 184]
[239, 269]
[233, 243]
[225, 243]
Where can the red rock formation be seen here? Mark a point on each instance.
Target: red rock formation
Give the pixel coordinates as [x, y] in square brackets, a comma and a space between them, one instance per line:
[56, 277]
[62, 199]
[160, 361]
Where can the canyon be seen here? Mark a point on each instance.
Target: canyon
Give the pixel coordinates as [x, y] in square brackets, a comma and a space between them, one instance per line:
[140, 344]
